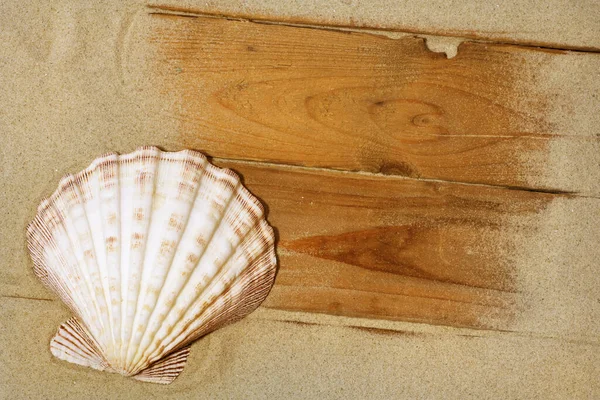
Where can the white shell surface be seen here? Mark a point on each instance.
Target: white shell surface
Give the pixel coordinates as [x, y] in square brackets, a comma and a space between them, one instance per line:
[150, 250]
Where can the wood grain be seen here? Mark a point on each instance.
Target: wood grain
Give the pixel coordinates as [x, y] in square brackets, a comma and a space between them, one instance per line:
[393, 248]
[361, 102]
[513, 21]
[63, 61]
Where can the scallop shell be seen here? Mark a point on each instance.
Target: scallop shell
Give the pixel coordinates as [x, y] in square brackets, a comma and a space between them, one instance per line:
[150, 250]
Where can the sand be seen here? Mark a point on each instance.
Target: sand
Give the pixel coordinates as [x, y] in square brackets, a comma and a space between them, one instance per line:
[70, 92]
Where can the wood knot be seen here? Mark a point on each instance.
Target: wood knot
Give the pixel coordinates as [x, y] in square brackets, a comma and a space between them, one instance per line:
[401, 168]
[423, 120]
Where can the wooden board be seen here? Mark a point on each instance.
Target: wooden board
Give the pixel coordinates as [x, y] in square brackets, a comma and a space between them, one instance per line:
[403, 249]
[494, 114]
[263, 357]
[555, 23]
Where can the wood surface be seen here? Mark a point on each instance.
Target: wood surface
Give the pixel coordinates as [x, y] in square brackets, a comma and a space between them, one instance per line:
[447, 166]
[362, 102]
[393, 248]
[560, 24]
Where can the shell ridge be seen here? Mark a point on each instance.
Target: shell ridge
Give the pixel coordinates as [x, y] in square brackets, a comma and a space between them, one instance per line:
[245, 279]
[106, 173]
[120, 270]
[125, 207]
[147, 158]
[53, 278]
[48, 277]
[215, 280]
[127, 192]
[35, 244]
[81, 179]
[90, 188]
[153, 239]
[70, 232]
[94, 215]
[231, 196]
[169, 268]
[68, 267]
[143, 272]
[85, 267]
[253, 291]
[167, 369]
[74, 343]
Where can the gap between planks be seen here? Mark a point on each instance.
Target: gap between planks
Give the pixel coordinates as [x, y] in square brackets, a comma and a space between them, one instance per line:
[390, 33]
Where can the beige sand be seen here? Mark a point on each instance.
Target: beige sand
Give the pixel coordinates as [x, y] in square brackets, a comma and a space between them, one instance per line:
[70, 93]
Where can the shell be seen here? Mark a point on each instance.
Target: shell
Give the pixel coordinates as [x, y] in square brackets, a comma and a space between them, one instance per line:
[150, 250]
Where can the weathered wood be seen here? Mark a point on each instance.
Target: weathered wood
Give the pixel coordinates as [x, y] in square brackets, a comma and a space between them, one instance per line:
[394, 248]
[263, 357]
[516, 21]
[363, 102]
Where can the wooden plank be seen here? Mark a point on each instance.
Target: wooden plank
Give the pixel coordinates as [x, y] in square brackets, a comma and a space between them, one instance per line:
[494, 114]
[507, 22]
[223, 365]
[402, 249]
[513, 21]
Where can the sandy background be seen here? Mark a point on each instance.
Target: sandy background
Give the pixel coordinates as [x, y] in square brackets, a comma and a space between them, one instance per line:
[67, 97]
